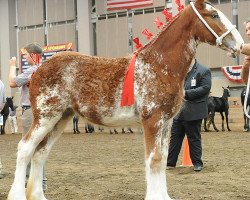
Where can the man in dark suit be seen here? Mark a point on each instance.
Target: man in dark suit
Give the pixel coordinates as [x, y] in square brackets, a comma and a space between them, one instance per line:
[188, 121]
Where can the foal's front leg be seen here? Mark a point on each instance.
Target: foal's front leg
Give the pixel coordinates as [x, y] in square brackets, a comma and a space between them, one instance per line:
[156, 158]
[222, 123]
[226, 114]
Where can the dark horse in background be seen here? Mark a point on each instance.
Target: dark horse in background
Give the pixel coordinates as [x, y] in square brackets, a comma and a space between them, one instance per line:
[218, 104]
[246, 120]
[5, 112]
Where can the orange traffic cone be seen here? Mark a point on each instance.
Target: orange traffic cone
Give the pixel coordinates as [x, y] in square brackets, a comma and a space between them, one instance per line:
[186, 160]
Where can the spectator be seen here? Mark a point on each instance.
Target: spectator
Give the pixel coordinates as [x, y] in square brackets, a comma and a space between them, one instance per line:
[2, 103]
[244, 75]
[13, 120]
[246, 64]
[32, 56]
[188, 121]
[75, 124]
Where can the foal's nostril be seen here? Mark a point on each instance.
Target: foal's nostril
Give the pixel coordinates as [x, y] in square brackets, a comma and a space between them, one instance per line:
[230, 54]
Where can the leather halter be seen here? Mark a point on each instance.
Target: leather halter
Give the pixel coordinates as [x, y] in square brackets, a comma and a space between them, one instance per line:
[218, 38]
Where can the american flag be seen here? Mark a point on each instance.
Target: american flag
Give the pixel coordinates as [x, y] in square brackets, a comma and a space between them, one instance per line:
[233, 73]
[127, 4]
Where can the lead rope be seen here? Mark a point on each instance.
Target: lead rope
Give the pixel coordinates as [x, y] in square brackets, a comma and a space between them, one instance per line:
[246, 97]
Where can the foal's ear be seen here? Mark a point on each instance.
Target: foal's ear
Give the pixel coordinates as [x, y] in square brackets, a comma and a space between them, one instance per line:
[200, 4]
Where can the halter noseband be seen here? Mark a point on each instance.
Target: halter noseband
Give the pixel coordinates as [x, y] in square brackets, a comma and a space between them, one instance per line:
[218, 39]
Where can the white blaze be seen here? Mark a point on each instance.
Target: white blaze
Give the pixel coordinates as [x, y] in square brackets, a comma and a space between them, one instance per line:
[228, 25]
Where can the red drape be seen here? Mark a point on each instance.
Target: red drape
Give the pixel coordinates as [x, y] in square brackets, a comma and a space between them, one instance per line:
[128, 87]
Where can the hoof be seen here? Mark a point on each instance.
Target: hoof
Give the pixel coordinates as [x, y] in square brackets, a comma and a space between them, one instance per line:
[158, 198]
[15, 197]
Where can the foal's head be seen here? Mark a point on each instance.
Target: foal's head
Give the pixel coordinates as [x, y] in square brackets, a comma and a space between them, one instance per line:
[226, 92]
[9, 101]
[213, 27]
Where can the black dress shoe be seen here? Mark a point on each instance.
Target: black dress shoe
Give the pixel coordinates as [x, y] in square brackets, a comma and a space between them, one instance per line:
[198, 168]
[170, 167]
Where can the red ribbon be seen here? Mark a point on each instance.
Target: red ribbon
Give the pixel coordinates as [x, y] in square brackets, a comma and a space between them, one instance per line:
[167, 14]
[147, 33]
[158, 22]
[128, 87]
[137, 42]
[37, 59]
[180, 6]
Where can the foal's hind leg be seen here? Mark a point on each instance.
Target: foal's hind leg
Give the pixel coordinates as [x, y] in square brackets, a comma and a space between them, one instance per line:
[205, 125]
[209, 123]
[226, 114]
[26, 149]
[222, 123]
[156, 158]
[212, 121]
[34, 189]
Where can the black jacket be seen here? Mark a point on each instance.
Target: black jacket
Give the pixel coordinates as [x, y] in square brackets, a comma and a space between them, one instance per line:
[197, 87]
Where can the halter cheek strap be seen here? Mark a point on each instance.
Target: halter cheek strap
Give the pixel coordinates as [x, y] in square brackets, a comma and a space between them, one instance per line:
[218, 38]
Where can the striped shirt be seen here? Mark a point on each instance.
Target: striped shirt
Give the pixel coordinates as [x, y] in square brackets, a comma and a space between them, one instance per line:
[22, 80]
[2, 95]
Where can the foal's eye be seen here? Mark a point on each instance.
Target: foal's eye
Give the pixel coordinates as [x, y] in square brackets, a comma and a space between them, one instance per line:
[215, 16]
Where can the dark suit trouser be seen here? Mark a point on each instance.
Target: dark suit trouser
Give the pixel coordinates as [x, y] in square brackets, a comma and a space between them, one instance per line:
[178, 131]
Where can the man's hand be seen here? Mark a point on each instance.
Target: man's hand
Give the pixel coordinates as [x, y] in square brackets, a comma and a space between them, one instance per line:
[247, 58]
[12, 61]
[245, 49]
[12, 73]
